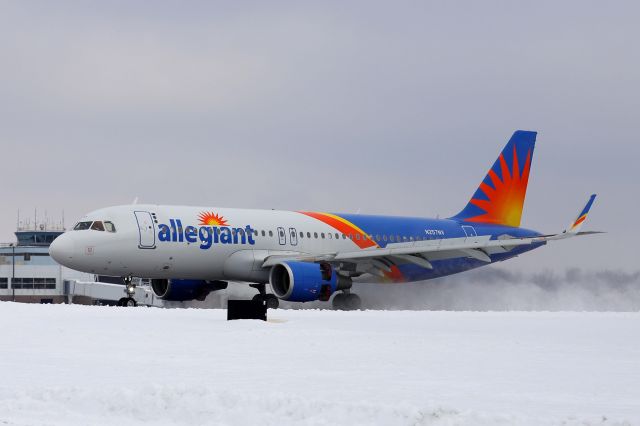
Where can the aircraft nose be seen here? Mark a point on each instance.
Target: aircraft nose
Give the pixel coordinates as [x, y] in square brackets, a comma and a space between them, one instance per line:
[62, 249]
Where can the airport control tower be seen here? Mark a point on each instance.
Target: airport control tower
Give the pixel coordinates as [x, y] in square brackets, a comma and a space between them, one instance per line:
[40, 235]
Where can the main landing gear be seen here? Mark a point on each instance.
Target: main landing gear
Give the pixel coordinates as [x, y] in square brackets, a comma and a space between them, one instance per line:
[130, 291]
[346, 301]
[272, 301]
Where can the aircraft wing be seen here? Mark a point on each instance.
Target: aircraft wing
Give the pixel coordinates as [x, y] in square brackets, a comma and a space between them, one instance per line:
[421, 252]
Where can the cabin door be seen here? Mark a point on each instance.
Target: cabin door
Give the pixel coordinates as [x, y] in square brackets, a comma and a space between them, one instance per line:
[146, 230]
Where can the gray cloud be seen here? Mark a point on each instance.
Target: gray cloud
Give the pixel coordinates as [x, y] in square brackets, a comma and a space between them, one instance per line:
[390, 109]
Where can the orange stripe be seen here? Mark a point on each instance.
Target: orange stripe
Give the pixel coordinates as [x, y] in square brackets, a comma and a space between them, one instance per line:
[580, 220]
[344, 226]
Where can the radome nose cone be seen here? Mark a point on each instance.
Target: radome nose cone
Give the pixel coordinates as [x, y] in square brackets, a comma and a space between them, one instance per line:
[62, 249]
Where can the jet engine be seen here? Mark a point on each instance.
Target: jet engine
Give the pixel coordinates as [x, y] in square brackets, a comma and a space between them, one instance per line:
[305, 282]
[181, 290]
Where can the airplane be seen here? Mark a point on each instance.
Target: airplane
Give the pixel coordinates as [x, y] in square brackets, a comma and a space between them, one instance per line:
[187, 252]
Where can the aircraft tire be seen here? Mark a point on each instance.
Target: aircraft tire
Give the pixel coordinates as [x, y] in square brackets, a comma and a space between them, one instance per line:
[130, 302]
[339, 302]
[353, 302]
[272, 301]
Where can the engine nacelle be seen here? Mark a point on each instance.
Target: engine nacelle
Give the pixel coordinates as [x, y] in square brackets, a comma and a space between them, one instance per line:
[305, 282]
[182, 290]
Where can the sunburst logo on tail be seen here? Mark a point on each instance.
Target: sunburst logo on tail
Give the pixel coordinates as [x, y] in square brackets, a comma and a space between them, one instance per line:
[505, 195]
[212, 219]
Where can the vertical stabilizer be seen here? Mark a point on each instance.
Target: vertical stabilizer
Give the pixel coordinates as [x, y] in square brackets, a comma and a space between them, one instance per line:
[500, 197]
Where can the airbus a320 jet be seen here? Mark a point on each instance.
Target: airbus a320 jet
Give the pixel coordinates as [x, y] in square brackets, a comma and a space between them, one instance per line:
[307, 255]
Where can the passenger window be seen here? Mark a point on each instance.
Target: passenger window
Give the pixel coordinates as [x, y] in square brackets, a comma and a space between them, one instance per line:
[337, 236]
[384, 237]
[271, 233]
[81, 226]
[97, 226]
[357, 236]
[330, 235]
[109, 226]
[308, 234]
[344, 236]
[263, 234]
[302, 235]
[315, 235]
[322, 235]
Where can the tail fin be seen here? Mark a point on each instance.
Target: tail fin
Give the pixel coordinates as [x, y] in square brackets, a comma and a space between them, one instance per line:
[500, 196]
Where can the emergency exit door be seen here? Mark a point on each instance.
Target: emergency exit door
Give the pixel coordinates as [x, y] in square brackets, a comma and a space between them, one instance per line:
[282, 236]
[293, 236]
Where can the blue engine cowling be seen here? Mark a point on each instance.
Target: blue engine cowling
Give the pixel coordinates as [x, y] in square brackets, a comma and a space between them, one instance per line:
[182, 290]
[304, 282]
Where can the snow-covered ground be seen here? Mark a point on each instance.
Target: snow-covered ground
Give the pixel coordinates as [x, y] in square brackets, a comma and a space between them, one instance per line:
[62, 365]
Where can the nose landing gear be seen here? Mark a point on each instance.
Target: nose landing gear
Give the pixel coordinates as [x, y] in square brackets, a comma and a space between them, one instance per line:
[130, 291]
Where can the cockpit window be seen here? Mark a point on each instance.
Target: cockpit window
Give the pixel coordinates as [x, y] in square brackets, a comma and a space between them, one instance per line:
[97, 226]
[109, 226]
[80, 226]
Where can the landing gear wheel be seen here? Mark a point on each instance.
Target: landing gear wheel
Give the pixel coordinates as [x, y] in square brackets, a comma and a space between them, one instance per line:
[339, 302]
[346, 302]
[130, 302]
[354, 302]
[271, 300]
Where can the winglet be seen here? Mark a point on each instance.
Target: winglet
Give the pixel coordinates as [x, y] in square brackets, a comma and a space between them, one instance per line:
[582, 217]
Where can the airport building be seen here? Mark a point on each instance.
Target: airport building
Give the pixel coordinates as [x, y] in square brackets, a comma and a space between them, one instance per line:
[28, 273]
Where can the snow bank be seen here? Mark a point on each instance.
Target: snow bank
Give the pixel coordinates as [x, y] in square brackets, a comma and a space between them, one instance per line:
[64, 365]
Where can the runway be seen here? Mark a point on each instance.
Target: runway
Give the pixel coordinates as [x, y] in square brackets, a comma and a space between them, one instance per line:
[66, 364]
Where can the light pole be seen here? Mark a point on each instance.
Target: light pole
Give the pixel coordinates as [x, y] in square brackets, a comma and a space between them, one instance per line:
[13, 268]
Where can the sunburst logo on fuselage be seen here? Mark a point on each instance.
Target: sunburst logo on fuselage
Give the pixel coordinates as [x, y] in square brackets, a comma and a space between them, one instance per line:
[505, 199]
[212, 219]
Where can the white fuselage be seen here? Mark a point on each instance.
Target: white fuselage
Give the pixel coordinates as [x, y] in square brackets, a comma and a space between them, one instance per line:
[169, 242]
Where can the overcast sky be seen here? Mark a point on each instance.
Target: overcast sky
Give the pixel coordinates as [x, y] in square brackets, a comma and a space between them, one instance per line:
[379, 107]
